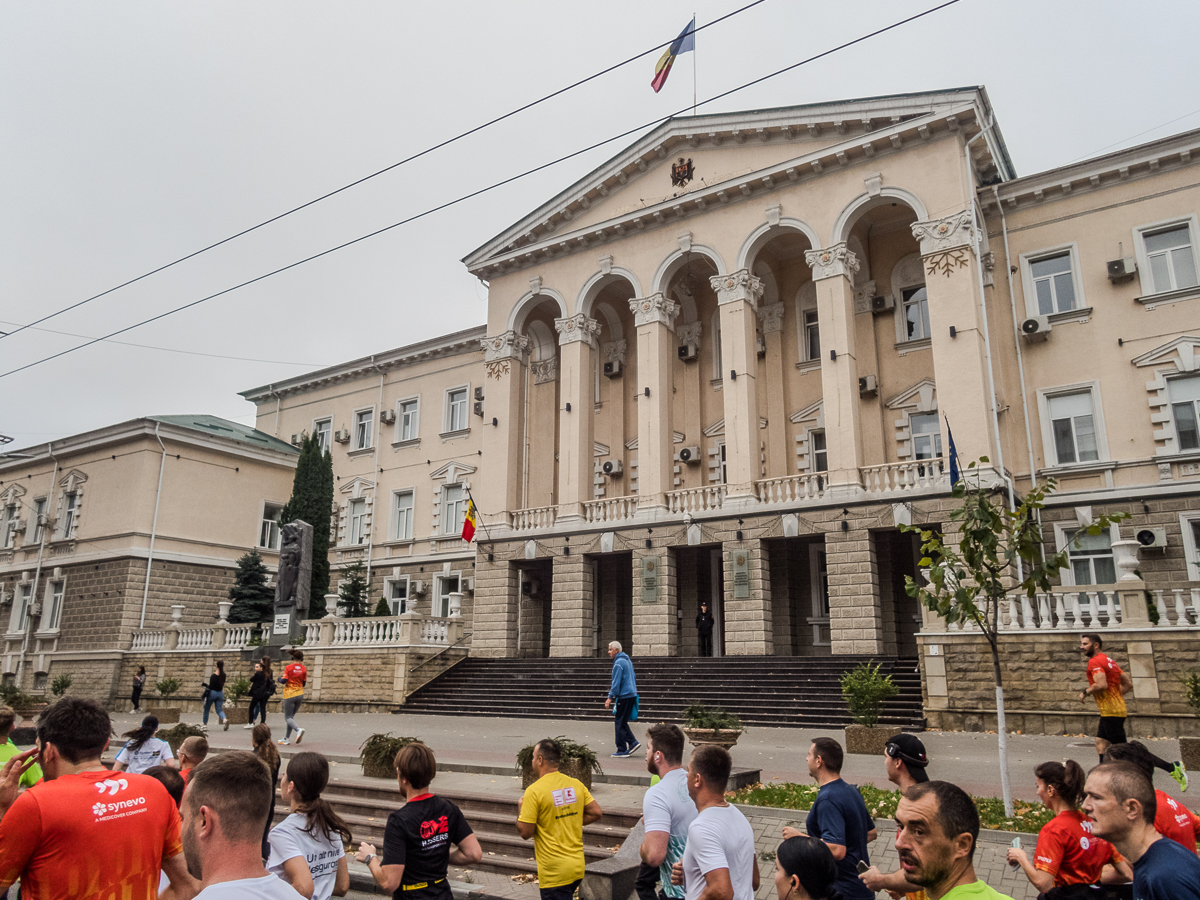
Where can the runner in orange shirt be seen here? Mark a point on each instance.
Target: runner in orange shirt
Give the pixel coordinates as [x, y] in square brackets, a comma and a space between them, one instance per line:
[1104, 685]
[86, 832]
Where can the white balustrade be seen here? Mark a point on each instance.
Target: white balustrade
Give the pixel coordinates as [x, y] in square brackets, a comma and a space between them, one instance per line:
[195, 639]
[366, 632]
[435, 631]
[691, 500]
[1178, 607]
[236, 636]
[312, 632]
[791, 489]
[610, 509]
[927, 474]
[538, 517]
[149, 640]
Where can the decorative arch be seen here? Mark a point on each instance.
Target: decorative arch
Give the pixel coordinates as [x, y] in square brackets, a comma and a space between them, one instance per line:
[598, 282]
[611, 318]
[766, 231]
[669, 266]
[522, 308]
[864, 202]
[543, 344]
[770, 294]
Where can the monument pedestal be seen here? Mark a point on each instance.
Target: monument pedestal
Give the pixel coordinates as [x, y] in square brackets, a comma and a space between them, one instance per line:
[292, 588]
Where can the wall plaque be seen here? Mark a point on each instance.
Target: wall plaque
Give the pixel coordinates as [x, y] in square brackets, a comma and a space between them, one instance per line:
[649, 579]
[741, 575]
[282, 622]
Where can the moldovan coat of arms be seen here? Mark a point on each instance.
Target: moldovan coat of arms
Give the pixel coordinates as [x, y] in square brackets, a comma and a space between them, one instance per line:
[682, 172]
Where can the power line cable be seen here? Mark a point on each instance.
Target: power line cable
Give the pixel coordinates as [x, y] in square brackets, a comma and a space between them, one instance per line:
[481, 191]
[395, 165]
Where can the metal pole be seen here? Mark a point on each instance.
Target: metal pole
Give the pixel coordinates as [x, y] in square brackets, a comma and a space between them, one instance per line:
[162, 464]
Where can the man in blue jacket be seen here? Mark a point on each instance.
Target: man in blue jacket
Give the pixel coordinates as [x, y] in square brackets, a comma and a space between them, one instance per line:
[623, 692]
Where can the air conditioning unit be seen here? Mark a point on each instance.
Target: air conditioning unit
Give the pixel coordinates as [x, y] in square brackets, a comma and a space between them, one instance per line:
[1036, 328]
[297, 440]
[341, 436]
[416, 588]
[1122, 269]
[882, 304]
[19, 528]
[388, 417]
[612, 467]
[760, 344]
[612, 368]
[478, 407]
[867, 385]
[689, 351]
[1152, 538]
[530, 587]
[479, 393]
[689, 455]
[468, 585]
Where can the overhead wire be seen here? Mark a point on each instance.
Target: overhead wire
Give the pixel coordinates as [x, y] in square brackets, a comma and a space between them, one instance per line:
[484, 190]
[384, 170]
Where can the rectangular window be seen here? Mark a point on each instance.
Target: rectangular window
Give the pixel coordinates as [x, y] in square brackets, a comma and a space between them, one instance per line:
[1072, 423]
[54, 607]
[812, 335]
[818, 455]
[402, 516]
[363, 432]
[1170, 258]
[357, 514]
[397, 595]
[820, 580]
[70, 504]
[926, 436]
[447, 584]
[916, 314]
[1091, 557]
[39, 519]
[268, 533]
[410, 419]
[21, 604]
[723, 468]
[1185, 399]
[10, 525]
[454, 508]
[456, 410]
[323, 429]
[1054, 283]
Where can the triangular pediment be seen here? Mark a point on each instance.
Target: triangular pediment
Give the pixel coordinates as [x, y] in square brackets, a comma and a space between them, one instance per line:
[922, 396]
[11, 494]
[356, 485]
[452, 471]
[814, 412]
[72, 479]
[1183, 352]
[677, 437]
[735, 156]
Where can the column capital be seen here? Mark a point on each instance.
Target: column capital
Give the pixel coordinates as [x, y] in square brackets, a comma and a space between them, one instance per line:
[544, 370]
[614, 351]
[656, 308]
[508, 345]
[735, 286]
[938, 235]
[771, 318]
[690, 334]
[832, 261]
[577, 328]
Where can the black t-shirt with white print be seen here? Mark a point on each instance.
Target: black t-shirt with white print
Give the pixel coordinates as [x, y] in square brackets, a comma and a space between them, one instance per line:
[418, 836]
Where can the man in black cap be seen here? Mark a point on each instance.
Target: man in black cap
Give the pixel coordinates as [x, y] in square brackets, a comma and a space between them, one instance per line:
[904, 760]
[704, 628]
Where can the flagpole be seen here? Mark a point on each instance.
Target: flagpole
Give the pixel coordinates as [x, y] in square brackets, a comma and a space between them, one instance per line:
[471, 497]
[693, 65]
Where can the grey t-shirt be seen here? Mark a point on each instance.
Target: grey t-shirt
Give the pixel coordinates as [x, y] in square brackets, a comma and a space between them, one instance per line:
[719, 838]
[667, 807]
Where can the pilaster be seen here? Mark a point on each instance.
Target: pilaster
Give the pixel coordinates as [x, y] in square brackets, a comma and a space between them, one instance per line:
[573, 587]
[855, 611]
[833, 276]
[577, 343]
[655, 602]
[504, 384]
[654, 317]
[749, 625]
[771, 324]
[497, 596]
[738, 294]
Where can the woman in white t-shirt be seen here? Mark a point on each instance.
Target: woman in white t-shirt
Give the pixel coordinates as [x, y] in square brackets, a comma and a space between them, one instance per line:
[144, 750]
[308, 847]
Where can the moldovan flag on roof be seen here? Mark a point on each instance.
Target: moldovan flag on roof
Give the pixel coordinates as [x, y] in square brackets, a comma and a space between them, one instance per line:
[682, 44]
[469, 519]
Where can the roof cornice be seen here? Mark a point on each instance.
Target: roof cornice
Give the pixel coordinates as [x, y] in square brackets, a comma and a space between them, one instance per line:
[441, 347]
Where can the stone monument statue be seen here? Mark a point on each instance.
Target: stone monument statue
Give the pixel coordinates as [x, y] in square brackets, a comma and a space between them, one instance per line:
[293, 582]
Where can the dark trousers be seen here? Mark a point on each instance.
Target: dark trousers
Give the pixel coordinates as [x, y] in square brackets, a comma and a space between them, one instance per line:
[647, 883]
[257, 707]
[706, 643]
[562, 892]
[137, 698]
[624, 735]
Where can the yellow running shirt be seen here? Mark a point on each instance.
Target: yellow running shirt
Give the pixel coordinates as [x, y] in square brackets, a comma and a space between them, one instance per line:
[555, 804]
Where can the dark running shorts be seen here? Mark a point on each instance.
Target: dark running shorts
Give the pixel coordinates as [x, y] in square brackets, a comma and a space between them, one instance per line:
[1112, 729]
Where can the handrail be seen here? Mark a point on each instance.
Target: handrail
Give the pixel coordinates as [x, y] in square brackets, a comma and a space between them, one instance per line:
[409, 691]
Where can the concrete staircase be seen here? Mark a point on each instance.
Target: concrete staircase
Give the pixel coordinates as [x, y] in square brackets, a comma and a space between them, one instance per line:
[762, 690]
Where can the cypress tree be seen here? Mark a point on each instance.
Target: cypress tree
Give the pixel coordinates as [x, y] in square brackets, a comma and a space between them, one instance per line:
[383, 608]
[355, 593]
[252, 600]
[312, 502]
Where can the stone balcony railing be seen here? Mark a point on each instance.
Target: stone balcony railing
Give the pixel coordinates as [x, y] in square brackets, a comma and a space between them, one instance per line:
[221, 636]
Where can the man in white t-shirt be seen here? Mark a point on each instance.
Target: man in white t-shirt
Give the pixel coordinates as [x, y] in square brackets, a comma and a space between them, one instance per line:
[225, 810]
[719, 857]
[667, 808]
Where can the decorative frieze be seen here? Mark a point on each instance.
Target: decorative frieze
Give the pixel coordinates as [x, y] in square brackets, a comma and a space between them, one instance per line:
[689, 334]
[735, 286]
[656, 308]
[577, 328]
[544, 370]
[832, 261]
[939, 235]
[508, 345]
[614, 351]
[771, 318]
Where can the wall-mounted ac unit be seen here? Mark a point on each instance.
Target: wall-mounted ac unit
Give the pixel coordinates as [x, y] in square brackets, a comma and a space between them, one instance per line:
[760, 344]
[689, 351]
[882, 304]
[341, 436]
[479, 393]
[689, 455]
[612, 467]
[297, 440]
[612, 368]
[19, 528]
[388, 417]
[468, 585]
[1036, 328]
[1122, 269]
[530, 587]
[867, 385]
[417, 588]
[478, 407]
[1152, 538]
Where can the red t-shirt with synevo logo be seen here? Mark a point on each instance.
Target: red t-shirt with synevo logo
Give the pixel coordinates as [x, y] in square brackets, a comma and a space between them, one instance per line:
[1175, 821]
[94, 835]
[1067, 849]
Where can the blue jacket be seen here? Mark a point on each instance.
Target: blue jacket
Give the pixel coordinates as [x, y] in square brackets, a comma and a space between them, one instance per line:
[623, 682]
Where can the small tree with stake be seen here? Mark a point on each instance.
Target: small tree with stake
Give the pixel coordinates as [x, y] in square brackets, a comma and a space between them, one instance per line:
[355, 592]
[999, 548]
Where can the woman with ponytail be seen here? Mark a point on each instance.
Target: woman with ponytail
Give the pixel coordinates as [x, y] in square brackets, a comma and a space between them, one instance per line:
[143, 750]
[264, 749]
[1069, 857]
[805, 870]
[308, 847]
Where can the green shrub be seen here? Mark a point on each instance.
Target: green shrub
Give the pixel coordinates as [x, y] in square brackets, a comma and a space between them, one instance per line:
[697, 715]
[237, 689]
[1191, 688]
[177, 735]
[865, 690]
[568, 749]
[379, 752]
[60, 685]
[167, 687]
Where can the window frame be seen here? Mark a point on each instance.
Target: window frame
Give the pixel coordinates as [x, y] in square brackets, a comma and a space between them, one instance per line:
[1145, 276]
[1170, 405]
[12, 516]
[327, 443]
[350, 522]
[70, 515]
[38, 512]
[393, 511]
[1191, 549]
[52, 606]
[1063, 534]
[1029, 287]
[722, 463]
[354, 438]
[262, 521]
[813, 452]
[1049, 447]
[443, 516]
[401, 420]
[22, 600]
[447, 409]
[388, 582]
[902, 335]
[438, 581]
[819, 593]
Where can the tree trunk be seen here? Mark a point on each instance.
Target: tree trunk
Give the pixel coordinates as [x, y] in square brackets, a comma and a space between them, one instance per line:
[1001, 728]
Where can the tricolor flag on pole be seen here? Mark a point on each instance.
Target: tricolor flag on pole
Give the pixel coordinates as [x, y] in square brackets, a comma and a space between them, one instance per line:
[469, 520]
[682, 44]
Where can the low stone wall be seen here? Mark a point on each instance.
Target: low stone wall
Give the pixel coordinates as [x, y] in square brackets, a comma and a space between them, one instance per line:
[1043, 674]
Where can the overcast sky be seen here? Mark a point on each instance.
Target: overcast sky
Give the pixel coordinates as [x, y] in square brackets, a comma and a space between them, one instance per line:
[134, 133]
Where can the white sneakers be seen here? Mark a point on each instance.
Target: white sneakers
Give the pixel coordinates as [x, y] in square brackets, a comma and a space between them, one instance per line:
[251, 725]
[299, 735]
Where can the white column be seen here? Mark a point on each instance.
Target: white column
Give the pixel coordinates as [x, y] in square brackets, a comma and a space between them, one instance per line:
[576, 414]
[654, 317]
[738, 294]
[504, 358]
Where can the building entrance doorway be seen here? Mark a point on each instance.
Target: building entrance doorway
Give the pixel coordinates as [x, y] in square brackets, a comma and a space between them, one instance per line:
[800, 596]
[700, 572]
[613, 610]
[897, 555]
[534, 617]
